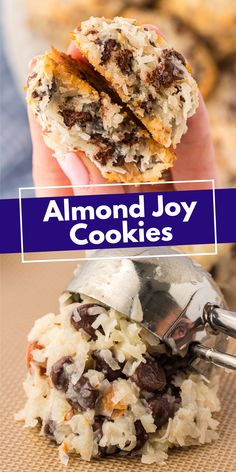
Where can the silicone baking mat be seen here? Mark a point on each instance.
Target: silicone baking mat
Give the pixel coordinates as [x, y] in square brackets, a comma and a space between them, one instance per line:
[29, 291]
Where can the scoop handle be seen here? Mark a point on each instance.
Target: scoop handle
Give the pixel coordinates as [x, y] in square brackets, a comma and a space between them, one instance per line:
[220, 320]
[228, 361]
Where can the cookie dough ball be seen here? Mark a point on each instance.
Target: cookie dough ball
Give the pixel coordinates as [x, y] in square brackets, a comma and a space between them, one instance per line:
[94, 389]
[56, 19]
[151, 77]
[222, 113]
[183, 39]
[214, 20]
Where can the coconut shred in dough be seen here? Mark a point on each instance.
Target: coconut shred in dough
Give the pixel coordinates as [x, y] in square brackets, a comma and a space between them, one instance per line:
[93, 389]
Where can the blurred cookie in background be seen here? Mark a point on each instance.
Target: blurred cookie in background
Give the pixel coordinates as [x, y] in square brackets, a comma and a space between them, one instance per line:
[184, 40]
[206, 257]
[214, 20]
[140, 3]
[55, 19]
[222, 266]
[222, 113]
[224, 273]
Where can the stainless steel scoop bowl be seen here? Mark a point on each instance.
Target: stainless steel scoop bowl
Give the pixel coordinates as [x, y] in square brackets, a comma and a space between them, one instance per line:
[173, 298]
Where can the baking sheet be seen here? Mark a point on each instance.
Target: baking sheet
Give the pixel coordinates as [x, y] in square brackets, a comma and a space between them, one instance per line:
[29, 291]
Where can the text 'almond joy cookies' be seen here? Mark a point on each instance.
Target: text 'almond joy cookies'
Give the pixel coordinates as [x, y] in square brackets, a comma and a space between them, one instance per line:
[75, 116]
[153, 79]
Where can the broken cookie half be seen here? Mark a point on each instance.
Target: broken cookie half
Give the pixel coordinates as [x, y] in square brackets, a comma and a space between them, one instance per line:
[153, 79]
[76, 116]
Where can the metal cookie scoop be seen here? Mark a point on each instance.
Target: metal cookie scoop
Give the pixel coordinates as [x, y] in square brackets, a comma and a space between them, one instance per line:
[174, 299]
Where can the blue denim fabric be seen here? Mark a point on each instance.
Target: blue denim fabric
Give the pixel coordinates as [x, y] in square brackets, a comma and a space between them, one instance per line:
[15, 142]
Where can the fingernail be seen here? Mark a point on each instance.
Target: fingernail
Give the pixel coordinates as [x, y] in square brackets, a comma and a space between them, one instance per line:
[75, 169]
[154, 28]
[32, 62]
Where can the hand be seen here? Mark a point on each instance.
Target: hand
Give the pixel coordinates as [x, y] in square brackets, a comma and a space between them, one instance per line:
[195, 158]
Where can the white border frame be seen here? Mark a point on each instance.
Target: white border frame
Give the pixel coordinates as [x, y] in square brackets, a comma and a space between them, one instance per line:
[21, 189]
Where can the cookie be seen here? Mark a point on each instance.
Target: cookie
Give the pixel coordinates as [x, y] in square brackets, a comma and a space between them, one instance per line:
[95, 390]
[153, 79]
[75, 116]
[222, 113]
[178, 35]
[214, 20]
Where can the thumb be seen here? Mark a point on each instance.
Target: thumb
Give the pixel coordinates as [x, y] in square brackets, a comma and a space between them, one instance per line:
[85, 177]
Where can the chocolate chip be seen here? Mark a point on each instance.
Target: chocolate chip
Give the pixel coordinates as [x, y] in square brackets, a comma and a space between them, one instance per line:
[173, 364]
[104, 155]
[136, 87]
[163, 75]
[40, 421]
[137, 159]
[124, 61]
[71, 117]
[141, 435]
[38, 95]
[58, 373]
[149, 376]
[92, 31]
[166, 72]
[98, 41]
[82, 395]
[52, 88]
[107, 148]
[97, 429]
[108, 47]
[97, 138]
[98, 125]
[166, 175]
[169, 54]
[75, 297]
[120, 160]
[81, 319]
[129, 138]
[42, 370]
[48, 430]
[102, 366]
[35, 94]
[98, 433]
[147, 105]
[162, 408]
[175, 391]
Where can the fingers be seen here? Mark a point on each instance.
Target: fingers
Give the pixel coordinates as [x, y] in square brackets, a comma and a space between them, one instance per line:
[75, 52]
[154, 28]
[82, 172]
[46, 170]
[195, 153]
